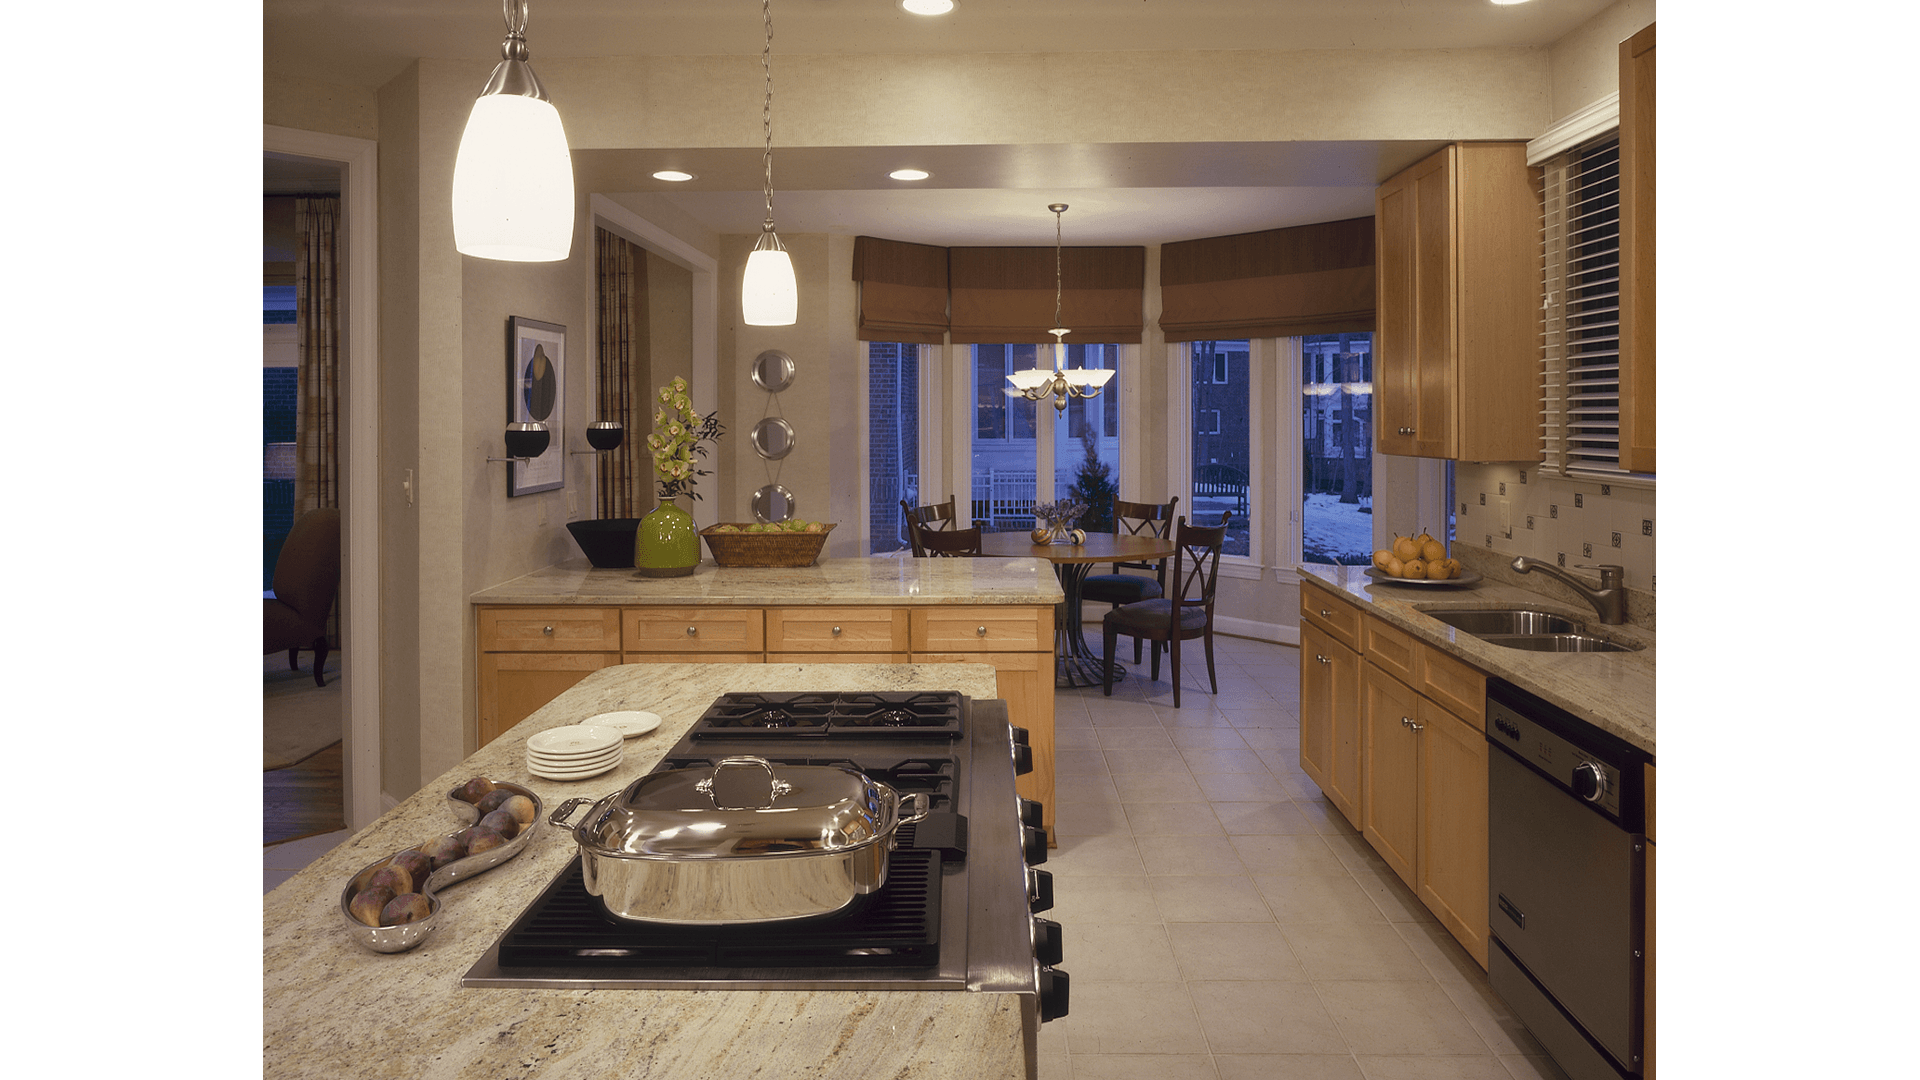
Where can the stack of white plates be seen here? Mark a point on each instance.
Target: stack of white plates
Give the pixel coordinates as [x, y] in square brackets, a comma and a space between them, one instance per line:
[631, 723]
[575, 752]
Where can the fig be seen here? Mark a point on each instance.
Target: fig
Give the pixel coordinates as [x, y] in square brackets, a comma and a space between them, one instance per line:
[416, 864]
[473, 790]
[521, 808]
[367, 904]
[491, 800]
[392, 877]
[481, 838]
[446, 849]
[502, 822]
[406, 908]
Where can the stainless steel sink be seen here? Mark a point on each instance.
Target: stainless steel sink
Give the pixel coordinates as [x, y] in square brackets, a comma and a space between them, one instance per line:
[1556, 642]
[1508, 621]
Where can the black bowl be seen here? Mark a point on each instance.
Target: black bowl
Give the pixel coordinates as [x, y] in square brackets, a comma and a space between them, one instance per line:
[608, 542]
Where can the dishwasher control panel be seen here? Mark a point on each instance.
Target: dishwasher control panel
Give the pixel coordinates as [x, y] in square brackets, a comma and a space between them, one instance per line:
[1593, 767]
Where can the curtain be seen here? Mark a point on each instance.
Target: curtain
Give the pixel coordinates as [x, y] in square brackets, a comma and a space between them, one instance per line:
[316, 224]
[624, 362]
[1007, 294]
[903, 290]
[1310, 279]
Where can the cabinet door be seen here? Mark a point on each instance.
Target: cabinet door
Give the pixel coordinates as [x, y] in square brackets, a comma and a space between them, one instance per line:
[1451, 870]
[1330, 719]
[514, 685]
[1390, 769]
[1414, 354]
[1636, 252]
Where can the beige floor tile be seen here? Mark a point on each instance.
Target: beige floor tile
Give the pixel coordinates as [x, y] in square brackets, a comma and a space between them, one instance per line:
[1095, 856]
[1524, 1067]
[1316, 898]
[1287, 1067]
[1433, 1068]
[1319, 809]
[1177, 856]
[1446, 960]
[1399, 1018]
[1144, 737]
[1234, 951]
[1375, 951]
[1276, 715]
[1190, 716]
[1223, 761]
[1075, 738]
[1073, 788]
[1266, 818]
[1118, 898]
[1238, 786]
[1133, 1018]
[1173, 784]
[1492, 1019]
[1172, 819]
[1208, 898]
[1055, 1066]
[1119, 952]
[1396, 902]
[1354, 851]
[1264, 1018]
[1143, 1067]
[1078, 762]
[1207, 738]
[1115, 712]
[1104, 818]
[1281, 739]
[1128, 762]
[1292, 853]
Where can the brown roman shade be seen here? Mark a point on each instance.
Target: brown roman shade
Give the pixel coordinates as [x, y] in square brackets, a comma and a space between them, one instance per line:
[903, 290]
[1310, 279]
[1003, 294]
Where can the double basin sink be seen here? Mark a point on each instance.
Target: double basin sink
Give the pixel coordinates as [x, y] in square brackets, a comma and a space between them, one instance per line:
[1534, 631]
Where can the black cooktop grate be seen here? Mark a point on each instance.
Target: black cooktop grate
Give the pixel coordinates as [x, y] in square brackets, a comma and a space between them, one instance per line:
[921, 714]
[896, 927]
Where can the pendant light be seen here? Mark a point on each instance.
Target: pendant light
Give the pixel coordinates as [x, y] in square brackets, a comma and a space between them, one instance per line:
[513, 177]
[1061, 381]
[768, 293]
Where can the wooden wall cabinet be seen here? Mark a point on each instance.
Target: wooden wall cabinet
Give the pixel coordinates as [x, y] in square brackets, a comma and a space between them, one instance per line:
[1636, 253]
[1456, 353]
[1407, 723]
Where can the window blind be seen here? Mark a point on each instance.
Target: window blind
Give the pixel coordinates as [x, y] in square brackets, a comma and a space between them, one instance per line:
[1580, 310]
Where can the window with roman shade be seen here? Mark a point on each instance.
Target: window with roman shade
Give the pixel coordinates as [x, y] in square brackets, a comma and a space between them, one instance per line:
[1006, 294]
[1309, 279]
[903, 290]
[1580, 311]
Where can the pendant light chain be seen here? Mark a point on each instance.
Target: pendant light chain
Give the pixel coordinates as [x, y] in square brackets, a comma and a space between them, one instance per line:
[766, 112]
[1058, 209]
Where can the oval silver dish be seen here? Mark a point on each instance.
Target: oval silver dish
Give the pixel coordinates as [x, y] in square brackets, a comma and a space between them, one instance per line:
[1467, 577]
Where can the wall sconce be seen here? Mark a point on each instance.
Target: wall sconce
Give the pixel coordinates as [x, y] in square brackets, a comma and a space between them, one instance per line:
[525, 441]
[603, 435]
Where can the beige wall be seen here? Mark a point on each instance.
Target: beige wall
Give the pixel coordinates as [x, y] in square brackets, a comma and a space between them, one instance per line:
[1586, 62]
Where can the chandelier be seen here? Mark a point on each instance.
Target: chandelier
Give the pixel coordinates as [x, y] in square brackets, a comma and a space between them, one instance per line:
[1059, 382]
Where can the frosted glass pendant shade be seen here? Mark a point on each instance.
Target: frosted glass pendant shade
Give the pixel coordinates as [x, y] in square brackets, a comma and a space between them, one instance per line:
[1031, 378]
[513, 182]
[768, 294]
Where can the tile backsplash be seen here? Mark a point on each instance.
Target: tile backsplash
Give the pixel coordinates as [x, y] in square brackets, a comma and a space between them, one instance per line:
[1514, 510]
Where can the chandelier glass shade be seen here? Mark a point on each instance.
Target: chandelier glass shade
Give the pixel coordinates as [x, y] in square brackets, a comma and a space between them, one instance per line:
[513, 176]
[1059, 382]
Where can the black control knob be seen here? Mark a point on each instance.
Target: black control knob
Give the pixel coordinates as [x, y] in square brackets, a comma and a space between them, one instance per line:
[1022, 753]
[1054, 991]
[1047, 946]
[1033, 844]
[1032, 813]
[1039, 890]
[1589, 781]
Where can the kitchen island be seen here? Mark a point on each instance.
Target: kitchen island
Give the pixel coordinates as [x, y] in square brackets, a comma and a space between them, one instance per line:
[334, 1010]
[542, 632]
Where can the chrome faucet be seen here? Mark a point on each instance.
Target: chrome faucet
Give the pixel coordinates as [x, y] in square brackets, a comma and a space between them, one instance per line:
[1610, 599]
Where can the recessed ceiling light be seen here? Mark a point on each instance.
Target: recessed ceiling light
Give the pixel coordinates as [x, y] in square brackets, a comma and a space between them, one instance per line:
[908, 174]
[927, 7]
[673, 175]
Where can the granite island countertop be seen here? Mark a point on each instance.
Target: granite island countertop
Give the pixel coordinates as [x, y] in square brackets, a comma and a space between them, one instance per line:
[1614, 691]
[877, 580]
[337, 1011]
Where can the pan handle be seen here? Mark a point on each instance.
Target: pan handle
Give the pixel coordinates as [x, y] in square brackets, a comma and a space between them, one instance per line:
[779, 787]
[565, 810]
[923, 805]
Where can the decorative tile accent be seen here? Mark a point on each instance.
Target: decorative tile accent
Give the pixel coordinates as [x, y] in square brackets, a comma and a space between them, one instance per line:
[1616, 539]
[1529, 529]
[1579, 500]
[1553, 510]
[1646, 526]
[1503, 487]
[1561, 558]
[1483, 498]
[1586, 551]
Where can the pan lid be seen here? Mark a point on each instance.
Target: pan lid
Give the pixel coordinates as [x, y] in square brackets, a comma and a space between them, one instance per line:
[741, 808]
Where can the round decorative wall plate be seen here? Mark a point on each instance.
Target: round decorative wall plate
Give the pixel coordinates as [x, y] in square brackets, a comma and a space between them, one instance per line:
[772, 438]
[773, 371]
[773, 503]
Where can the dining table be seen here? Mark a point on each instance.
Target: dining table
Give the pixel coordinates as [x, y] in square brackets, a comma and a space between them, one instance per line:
[1074, 663]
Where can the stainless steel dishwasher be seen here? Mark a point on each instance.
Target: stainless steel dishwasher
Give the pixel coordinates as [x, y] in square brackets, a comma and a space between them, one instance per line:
[1566, 868]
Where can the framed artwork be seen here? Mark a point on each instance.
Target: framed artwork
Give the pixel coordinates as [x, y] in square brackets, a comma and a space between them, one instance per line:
[537, 393]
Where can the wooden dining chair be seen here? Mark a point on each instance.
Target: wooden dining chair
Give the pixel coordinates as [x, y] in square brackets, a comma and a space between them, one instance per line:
[929, 518]
[1184, 613]
[951, 544]
[1119, 588]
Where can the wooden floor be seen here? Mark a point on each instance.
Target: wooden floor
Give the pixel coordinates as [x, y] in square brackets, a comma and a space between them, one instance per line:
[305, 799]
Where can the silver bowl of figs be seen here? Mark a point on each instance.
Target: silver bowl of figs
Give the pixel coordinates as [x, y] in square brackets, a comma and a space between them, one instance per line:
[390, 906]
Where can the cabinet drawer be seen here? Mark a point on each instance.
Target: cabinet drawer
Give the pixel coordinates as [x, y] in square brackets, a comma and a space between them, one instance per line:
[837, 630]
[1392, 651]
[549, 629]
[837, 658]
[982, 629]
[692, 658]
[693, 629]
[1460, 689]
[1338, 618]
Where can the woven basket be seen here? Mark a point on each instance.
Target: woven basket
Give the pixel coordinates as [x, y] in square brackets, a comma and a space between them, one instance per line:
[782, 549]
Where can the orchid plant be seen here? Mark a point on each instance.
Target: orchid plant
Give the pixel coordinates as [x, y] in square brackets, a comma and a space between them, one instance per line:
[679, 436]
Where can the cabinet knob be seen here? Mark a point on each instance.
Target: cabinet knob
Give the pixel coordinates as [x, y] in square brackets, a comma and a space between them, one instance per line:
[1321, 659]
[692, 630]
[1415, 727]
[548, 630]
[1406, 431]
[1326, 613]
[982, 631]
[836, 631]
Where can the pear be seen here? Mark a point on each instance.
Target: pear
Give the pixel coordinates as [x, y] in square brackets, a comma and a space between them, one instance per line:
[1414, 569]
[1405, 548]
[1432, 550]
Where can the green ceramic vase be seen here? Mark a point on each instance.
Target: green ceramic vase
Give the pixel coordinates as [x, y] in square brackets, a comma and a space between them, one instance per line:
[666, 544]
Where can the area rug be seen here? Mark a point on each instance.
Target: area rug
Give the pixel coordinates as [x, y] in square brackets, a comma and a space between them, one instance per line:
[298, 718]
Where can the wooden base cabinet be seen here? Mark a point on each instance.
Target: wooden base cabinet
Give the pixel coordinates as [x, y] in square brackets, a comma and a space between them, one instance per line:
[1330, 717]
[1450, 874]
